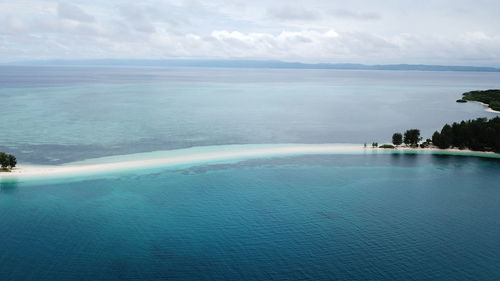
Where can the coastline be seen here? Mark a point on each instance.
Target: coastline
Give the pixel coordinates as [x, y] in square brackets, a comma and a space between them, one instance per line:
[208, 155]
[452, 151]
[487, 107]
[172, 158]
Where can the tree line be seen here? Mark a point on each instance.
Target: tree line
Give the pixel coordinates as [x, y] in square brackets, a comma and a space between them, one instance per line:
[7, 161]
[480, 134]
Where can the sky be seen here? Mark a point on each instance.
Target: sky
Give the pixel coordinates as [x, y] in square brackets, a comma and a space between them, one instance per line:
[450, 32]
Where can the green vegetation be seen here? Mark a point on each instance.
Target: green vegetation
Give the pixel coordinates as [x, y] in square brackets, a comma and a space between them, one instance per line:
[390, 146]
[495, 105]
[412, 137]
[374, 144]
[7, 161]
[397, 139]
[461, 101]
[489, 97]
[426, 143]
[480, 134]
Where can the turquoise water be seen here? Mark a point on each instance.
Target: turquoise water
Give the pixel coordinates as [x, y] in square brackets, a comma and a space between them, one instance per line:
[356, 216]
[341, 217]
[60, 115]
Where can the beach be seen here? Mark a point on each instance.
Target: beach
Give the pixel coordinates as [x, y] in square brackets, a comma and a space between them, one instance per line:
[206, 155]
[487, 107]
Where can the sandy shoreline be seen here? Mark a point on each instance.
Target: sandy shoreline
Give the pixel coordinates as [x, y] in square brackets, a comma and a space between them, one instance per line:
[487, 107]
[206, 155]
[173, 158]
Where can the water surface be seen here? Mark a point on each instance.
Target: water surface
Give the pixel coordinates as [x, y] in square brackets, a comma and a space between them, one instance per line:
[370, 216]
[335, 217]
[54, 115]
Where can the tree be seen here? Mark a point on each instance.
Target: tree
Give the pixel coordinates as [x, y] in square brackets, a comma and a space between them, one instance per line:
[397, 139]
[436, 139]
[412, 137]
[12, 160]
[4, 162]
[7, 160]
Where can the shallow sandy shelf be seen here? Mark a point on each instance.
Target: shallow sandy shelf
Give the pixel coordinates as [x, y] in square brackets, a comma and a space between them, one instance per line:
[209, 154]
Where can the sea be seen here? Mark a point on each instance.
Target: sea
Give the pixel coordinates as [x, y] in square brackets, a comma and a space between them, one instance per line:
[354, 216]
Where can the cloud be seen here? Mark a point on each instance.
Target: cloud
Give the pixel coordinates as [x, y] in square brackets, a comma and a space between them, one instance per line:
[48, 24]
[14, 24]
[354, 15]
[305, 45]
[73, 12]
[289, 13]
[286, 45]
[145, 17]
[293, 13]
[137, 18]
[312, 31]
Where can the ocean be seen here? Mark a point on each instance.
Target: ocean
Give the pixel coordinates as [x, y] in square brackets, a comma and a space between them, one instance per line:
[359, 216]
[55, 115]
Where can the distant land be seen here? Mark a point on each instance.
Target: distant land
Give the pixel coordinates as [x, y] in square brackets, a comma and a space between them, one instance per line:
[250, 64]
[489, 97]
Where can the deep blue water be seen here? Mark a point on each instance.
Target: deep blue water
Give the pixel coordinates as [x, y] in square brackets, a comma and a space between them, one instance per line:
[336, 217]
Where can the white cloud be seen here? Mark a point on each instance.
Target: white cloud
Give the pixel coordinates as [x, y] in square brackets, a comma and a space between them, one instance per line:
[293, 13]
[15, 25]
[313, 31]
[354, 15]
[308, 14]
[305, 45]
[73, 12]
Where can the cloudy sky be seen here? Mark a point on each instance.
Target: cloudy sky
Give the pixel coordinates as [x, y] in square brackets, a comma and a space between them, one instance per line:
[456, 32]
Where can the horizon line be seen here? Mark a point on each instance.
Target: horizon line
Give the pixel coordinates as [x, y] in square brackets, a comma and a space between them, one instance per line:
[248, 63]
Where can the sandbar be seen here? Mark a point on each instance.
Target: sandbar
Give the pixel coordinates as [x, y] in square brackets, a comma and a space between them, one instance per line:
[209, 154]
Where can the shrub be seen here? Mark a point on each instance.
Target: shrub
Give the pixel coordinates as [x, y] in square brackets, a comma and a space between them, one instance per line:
[387, 146]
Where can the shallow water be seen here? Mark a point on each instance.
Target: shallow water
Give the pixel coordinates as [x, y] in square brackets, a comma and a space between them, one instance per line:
[342, 217]
[59, 115]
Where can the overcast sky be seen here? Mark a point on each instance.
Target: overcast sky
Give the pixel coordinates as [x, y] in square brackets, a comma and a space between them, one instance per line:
[385, 31]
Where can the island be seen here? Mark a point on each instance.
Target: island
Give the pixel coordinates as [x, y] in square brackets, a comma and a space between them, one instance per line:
[487, 97]
[476, 135]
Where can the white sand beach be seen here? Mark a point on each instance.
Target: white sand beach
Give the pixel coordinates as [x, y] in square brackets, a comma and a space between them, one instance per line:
[174, 158]
[487, 107]
[203, 155]
[491, 110]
